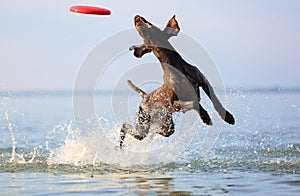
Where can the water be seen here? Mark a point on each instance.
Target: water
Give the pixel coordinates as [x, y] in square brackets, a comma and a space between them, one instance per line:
[43, 152]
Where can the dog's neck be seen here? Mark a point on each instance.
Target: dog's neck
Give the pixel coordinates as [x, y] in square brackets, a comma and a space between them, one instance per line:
[173, 66]
[166, 54]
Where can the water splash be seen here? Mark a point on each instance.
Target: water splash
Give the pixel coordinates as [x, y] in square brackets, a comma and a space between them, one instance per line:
[13, 139]
[71, 149]
[16, 157]
[98, 143]
[249, 145]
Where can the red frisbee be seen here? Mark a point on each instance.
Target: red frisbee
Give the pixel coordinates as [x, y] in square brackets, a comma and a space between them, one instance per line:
[89, 10]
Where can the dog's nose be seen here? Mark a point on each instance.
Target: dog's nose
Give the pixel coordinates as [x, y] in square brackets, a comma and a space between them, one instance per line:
[137, 18]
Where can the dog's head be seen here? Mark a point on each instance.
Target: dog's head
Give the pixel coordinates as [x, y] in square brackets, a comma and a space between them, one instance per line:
[153, 36]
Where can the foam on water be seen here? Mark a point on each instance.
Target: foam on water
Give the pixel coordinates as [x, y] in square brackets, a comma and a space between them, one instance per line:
[99, 143]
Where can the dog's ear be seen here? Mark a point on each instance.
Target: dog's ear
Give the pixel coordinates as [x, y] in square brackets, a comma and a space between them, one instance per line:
[139, 50]
[172, 28]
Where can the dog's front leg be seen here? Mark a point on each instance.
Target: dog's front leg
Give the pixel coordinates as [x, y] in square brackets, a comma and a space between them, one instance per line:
[209, 91]
[204, 115]
[140, 50]
[184, 106]
[225, 115]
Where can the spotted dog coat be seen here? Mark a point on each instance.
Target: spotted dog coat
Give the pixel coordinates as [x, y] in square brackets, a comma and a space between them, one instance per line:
[156, 108]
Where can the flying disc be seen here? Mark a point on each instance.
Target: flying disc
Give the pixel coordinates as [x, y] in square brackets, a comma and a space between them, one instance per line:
[89, 10]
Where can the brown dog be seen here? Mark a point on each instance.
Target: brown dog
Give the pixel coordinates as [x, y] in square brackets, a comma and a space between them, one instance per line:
[176, 69]
[180, 90]
[157, 108]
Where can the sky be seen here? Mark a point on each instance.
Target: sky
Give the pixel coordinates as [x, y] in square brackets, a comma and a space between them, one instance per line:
[254, 43]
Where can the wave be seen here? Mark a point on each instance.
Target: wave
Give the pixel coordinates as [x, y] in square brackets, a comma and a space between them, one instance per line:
[275, 165]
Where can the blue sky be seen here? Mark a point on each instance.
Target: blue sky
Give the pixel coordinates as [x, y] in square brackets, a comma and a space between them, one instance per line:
[254, 43]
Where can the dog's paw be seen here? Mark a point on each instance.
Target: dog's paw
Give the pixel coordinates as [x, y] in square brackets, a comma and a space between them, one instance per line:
[139, 50]
[205, 118]
[229, 118]
[131, 48]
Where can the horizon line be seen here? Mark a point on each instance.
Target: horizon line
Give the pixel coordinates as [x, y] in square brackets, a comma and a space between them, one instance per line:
[70, 92]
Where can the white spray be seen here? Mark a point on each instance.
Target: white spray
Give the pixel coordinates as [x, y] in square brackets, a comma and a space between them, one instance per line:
[15, 157]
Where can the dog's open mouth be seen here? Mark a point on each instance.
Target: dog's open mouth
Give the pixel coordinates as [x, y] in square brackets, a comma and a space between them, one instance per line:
[140, 21]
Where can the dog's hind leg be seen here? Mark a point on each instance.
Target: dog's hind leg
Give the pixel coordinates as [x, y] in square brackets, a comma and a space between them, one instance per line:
[135, 132]
[140, 130]
[167, 128]
[124, 129]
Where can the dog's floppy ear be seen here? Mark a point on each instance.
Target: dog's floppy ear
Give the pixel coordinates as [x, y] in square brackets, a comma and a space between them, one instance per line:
[172, 28]
[139, 50]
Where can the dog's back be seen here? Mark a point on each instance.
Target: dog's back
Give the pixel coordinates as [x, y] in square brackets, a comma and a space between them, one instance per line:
[162, 96]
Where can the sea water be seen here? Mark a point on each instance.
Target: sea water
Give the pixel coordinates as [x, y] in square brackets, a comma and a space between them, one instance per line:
[43, 151]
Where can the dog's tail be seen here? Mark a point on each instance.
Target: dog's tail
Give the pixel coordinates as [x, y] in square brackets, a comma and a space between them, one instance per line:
[136, 89]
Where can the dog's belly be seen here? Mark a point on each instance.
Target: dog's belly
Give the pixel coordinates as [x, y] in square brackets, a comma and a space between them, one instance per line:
[183, 89]
[182, 85]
